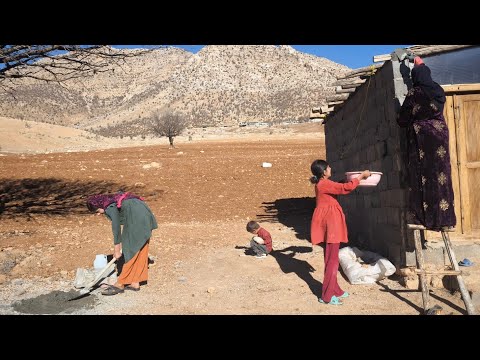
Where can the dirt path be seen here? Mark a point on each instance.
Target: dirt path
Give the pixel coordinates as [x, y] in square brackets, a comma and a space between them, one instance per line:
[202, 195]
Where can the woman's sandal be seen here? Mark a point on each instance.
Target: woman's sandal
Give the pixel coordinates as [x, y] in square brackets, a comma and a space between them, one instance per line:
[132, 288]
[112, 290]
[333, 301]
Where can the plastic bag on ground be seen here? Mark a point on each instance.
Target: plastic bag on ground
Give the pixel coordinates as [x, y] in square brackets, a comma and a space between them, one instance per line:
[85, 276]
[351, 262]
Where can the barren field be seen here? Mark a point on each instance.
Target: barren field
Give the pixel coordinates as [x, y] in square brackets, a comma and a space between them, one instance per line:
[202, 193]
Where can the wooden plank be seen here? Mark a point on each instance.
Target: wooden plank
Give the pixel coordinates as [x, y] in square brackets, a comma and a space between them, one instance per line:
[461, 284]
[437, 49]
[467, 108]
[471, 113]
[422, 50]
[409, 271]
[452, 144]
[416, 227]
[461, 87]
[365, 74]
[341, 91]
[384, 57]
[462, 170]
[352, 86]
[333, 103]
[345, 82]
[326, 109]
[473, 164]
[367, 69]
[438, 272]
[337, 97]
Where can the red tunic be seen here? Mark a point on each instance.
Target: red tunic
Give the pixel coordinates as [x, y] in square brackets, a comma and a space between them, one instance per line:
[328, 220]
[267, 238]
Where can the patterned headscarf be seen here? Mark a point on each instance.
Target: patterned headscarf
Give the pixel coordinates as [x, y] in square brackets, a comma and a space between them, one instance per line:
[101, 201]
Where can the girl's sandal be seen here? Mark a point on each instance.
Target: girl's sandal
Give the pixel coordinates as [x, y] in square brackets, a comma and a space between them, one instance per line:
[333, 301]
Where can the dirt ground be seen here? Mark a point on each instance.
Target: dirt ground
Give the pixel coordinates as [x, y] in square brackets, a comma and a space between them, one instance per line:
[202, 193]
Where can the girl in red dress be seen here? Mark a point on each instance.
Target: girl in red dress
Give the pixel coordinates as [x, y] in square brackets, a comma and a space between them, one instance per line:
[329, 227]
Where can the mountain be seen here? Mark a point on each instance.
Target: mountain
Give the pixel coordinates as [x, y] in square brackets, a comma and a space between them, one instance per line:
[220, 85]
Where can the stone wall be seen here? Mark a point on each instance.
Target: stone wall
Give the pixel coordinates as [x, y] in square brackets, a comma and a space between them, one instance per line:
[363, 134]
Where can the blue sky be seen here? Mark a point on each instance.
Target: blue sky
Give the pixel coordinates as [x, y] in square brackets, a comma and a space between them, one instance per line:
[353, 56]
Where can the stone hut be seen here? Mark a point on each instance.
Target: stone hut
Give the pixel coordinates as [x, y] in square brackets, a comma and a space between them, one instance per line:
[361, 133]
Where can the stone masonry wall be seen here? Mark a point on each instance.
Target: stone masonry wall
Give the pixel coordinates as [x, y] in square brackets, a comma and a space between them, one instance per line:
[356, 141]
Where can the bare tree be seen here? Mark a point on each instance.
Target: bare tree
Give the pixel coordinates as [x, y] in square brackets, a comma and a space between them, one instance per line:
[169, 124]
[58, 63]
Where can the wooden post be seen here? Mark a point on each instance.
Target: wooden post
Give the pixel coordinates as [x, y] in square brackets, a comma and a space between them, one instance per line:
[451, 255]
[463, 289]
[421, 266]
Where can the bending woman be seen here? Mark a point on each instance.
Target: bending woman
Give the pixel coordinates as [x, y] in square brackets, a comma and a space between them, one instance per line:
[138, 222]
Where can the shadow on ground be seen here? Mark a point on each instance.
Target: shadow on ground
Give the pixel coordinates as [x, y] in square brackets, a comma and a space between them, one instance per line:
[50, 196]
[420, 310]
[295, 213]
[288, 264]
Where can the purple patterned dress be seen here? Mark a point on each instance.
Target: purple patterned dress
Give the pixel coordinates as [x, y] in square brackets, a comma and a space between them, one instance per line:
[428, 164]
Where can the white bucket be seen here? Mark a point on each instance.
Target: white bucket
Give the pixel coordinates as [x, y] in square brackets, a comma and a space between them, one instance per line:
[265, 165]
[100, 261]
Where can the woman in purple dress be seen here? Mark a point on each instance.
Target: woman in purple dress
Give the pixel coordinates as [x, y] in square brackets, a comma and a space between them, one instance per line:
[428, 164]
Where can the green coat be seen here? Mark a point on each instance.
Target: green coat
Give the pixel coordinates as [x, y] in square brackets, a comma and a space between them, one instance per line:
[138, 222]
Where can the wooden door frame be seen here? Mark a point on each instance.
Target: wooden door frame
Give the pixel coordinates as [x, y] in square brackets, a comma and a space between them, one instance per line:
[455, 122]
[450, 119]
[461, 88]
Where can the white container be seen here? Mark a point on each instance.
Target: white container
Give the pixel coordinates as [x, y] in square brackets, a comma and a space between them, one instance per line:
[265, 165]
[100, 261]
[372, 180]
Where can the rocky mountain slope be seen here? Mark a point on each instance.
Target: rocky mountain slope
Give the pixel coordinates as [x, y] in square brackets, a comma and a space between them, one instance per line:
[220, 85]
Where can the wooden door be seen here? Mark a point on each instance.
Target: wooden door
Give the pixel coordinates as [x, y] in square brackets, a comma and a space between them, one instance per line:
[449, 113]
[467, 131]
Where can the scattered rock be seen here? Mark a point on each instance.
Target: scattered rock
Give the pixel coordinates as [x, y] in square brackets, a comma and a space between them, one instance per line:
[20, 292]
[6, 263]
[410, 282]
[436, 282]
[211, 290]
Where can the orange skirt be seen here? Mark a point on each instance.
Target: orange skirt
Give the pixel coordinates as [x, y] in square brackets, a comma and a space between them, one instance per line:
[136, 269]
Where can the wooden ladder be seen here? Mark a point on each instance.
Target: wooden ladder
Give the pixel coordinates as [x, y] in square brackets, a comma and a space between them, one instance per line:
[422, 273]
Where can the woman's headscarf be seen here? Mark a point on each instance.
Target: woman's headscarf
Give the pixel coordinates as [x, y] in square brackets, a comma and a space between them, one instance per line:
[101, 201]
[422, 77]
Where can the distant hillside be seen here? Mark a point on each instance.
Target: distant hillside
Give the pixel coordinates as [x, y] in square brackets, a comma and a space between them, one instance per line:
[220, 85]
